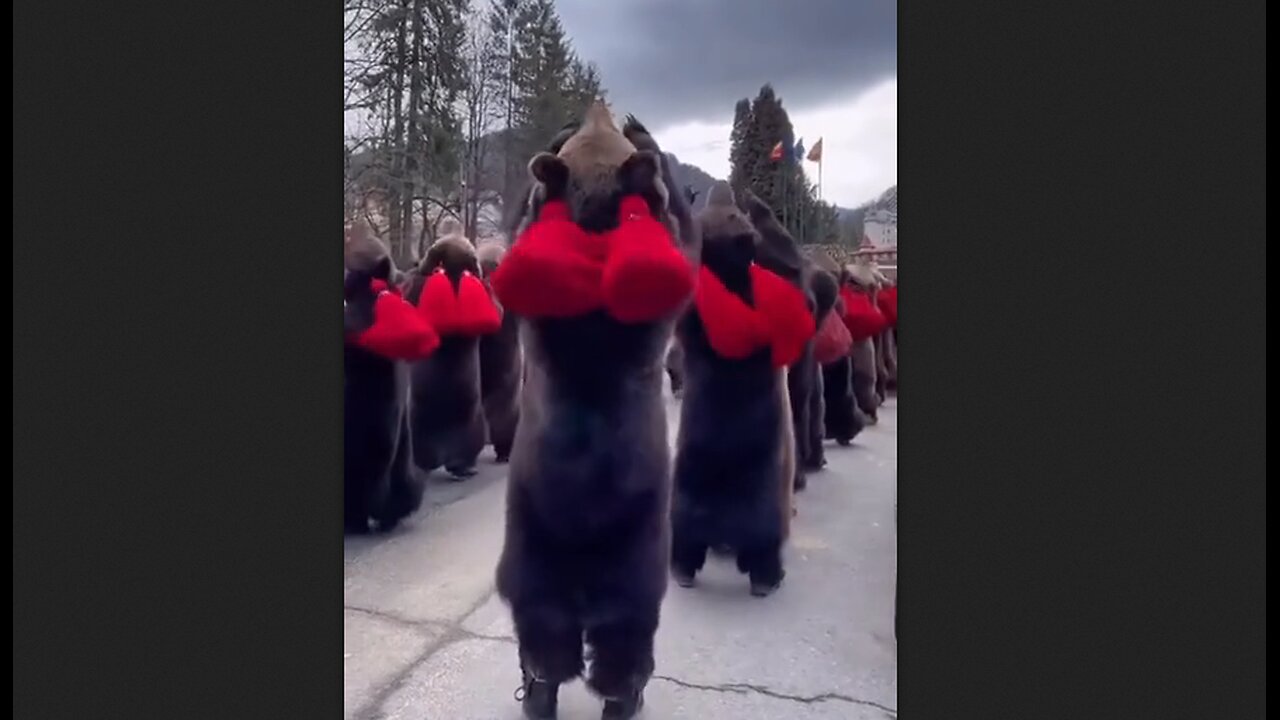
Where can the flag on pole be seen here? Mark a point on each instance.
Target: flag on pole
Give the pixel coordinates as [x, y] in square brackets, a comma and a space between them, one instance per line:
[815, 153]
[799, 154]
[776, 154]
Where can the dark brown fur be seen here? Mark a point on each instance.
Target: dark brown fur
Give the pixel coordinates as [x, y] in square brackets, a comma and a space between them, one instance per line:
[378, 484]
[587, 537]
[501, 366]
[841, 419]
[446, 419]
[891, 359]
[734, 469]
[863, 355]
[779, 252]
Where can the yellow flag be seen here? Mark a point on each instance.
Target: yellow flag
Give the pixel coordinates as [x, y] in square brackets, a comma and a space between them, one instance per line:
[815, 153]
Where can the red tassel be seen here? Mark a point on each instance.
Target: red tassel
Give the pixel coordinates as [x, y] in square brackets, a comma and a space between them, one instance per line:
[553, 270]
[556, 269]
[734, 330]
[477, 315]
[645, 277]
[833, 340]
[887, 301]
[780, 319]
[861, 317]
[468, 312]
[398, 331]
[436, 303]
[791, 325]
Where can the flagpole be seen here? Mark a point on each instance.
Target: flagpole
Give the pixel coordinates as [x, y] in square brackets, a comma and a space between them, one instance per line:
[784, 193]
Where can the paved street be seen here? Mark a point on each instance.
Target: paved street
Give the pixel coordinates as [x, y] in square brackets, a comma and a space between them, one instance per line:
[426, 638]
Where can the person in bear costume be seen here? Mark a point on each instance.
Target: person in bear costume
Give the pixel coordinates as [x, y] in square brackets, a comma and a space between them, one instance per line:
[501, 365]
[842, 419]
[887, 341]
[865, 323]
[381, 332]
[779, 253]
[733, 483]
[824, 283]
[446, 419]
[832, 345]
[603, 263]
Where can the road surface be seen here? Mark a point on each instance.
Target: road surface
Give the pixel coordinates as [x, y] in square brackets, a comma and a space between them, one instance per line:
[426, 638]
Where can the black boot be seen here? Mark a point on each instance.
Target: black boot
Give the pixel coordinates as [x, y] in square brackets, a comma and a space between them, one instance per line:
[816, 463]
[538, 698]
[461, 472]
[623, 708]
[683, 578]
[764, 588]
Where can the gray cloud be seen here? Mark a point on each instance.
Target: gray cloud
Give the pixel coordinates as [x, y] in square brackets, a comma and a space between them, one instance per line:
[671, 61]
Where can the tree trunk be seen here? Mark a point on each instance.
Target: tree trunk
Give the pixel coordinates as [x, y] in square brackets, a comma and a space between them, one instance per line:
[398, 194]
[413, 135]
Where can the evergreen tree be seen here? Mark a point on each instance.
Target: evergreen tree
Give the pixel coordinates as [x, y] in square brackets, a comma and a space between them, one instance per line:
[758, 128]
[550, 86]
[583, 88]
[738, 145]
[432, 88]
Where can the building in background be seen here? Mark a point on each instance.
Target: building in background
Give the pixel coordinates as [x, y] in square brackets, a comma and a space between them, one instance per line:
[880, 224]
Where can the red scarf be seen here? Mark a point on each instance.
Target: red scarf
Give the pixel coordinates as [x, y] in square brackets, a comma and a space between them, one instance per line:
[469, 311]
[833, 340]
[862, 318]
[398, 332]
[887, 301]
[780, 318]
[556, 269]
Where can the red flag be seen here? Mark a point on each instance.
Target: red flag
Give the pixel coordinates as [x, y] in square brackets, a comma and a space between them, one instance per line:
[776, 154]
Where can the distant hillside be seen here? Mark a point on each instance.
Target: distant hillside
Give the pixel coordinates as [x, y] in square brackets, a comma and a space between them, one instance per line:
[698, 179]
[692, 176]
[882, 208]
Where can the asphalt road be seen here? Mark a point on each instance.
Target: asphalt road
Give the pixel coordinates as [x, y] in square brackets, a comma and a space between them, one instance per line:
[426, 638]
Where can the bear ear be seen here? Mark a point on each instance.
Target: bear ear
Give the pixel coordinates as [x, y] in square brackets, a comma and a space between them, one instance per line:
[356, 282]
[551, 172]
[641, 174]
[756, 209]
[638, 134]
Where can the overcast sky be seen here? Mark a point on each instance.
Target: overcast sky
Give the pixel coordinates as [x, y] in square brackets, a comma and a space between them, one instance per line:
[680, 65]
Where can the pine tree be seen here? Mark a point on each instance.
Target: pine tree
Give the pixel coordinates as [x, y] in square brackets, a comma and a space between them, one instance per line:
[505, 18]
[583, 88]
[433, 88]
[781, 183]
[773, 180]
[551, 86]
[738, 145]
